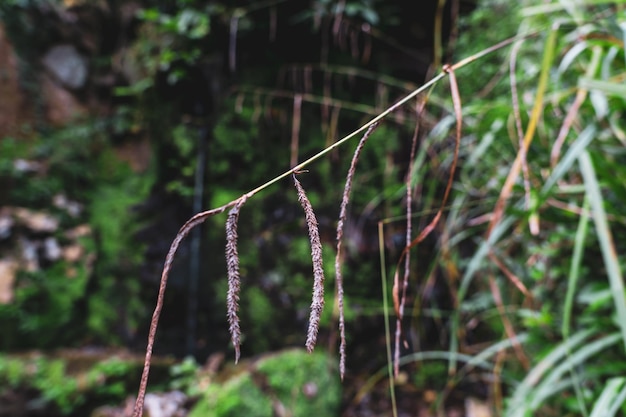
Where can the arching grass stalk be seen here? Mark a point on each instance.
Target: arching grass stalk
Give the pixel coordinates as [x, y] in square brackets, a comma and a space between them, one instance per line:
[199, 218]
[343, 214]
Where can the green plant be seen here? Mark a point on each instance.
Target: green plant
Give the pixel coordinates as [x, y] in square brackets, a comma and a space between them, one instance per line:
[293, 382]
[63, 391]
[532, 150]
[118, 256]
[538, 248]
[184, 376]
[56, 302]
[178, 39]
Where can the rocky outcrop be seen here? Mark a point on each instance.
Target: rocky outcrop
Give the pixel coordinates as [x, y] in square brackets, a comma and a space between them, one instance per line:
[15, 108]
[51, 79]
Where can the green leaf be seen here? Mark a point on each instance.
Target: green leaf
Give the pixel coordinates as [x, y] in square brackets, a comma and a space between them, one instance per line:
[605, 238]
[612, 397]
[609, 88]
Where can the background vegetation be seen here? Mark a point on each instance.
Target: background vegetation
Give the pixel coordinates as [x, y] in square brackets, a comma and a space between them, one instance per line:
[516, 301]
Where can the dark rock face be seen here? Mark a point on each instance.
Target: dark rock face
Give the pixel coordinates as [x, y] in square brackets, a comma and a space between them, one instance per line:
[14, 107]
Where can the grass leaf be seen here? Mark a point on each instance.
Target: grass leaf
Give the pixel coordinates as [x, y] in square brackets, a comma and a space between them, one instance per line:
[611, 399]
[605, 238]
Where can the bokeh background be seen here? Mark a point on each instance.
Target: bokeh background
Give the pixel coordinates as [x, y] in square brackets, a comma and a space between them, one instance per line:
[119, 120]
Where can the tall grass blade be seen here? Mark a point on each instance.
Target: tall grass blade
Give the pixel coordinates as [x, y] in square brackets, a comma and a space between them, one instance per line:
[398, 300]
[572, 286]
[617, 403]
[507, 188]
[295, 128]
[575, 150]
[383, 278]
[581, 96]
[609, 88]
[534, 219]
[605, 238]
[546, 388]
[522, 394]
[612, 397]
[575, 268]
[472, 268]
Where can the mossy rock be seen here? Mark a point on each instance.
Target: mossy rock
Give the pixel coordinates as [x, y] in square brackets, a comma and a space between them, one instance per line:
[293, 383]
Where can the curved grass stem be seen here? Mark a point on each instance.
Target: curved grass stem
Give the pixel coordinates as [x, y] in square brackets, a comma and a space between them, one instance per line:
[199, 218]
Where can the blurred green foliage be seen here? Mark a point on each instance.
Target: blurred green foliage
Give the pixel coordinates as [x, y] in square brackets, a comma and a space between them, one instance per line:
[61, 391]
[64, 304]
[552, 191]
[462, 299]
[294, 381]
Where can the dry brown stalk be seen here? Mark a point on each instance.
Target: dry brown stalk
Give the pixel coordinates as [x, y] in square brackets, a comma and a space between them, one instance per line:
[295, 127]
[456, 100]
[508, 327]
[343, 213]
[409, 214]
[398, 299]
[182, 233]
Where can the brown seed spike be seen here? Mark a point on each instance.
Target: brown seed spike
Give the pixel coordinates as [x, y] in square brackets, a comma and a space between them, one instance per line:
[317, 304]
[232, 265]
[343, 214]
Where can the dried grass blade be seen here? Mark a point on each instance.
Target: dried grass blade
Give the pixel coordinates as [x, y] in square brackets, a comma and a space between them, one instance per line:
[456, 101]
[581, 95]
[332, 125]
[530, 131]
[511, 276]
[232, 46]
[340, 225]
[317, 304]
[295, 128]
[533, 221]
[508, 327]
[234, 281]
[326, 101]
[407, 260]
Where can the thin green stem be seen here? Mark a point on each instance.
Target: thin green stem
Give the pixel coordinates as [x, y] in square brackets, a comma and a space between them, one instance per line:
[572, 286]
[383, 278]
